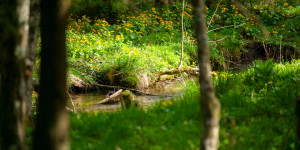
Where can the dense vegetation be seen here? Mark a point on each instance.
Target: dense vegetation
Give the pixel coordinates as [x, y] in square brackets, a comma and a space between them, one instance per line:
[148, 40]
[257, 113]
[257, 103]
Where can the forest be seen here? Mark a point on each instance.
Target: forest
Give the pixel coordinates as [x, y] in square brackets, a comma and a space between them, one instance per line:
[150, 74]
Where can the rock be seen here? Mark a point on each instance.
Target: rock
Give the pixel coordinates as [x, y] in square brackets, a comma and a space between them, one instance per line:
[75, 81]
[143, 81]
[77, 85]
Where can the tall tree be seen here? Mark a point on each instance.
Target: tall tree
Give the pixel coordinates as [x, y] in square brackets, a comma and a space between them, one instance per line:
[34, 29]
[52, 126]
[182, 35]
[210, 106]
[298, 117]
[13, 45]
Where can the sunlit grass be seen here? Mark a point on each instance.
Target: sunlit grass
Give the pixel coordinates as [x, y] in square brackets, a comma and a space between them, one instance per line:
[95, 46]
[251, 118]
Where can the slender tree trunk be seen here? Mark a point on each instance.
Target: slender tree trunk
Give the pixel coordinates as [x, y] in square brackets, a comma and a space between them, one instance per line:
[34, 29]
[298, 117]
[210, 106]
[13, 46]
[52, 124]
[182, 34]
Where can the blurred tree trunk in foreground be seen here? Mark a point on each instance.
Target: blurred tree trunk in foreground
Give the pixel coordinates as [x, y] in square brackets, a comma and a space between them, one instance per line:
[34, 29]
[13, 46]
[210, 106]
[298, 117]
[52, 124]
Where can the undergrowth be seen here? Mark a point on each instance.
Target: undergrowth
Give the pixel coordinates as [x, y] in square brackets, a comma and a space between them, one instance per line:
[148, 40]
[252, 117]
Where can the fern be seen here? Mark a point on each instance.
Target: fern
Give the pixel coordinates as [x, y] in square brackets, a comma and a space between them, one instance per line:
[263, 72]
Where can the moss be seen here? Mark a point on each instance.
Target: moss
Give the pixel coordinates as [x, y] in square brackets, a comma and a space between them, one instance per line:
[127, 99]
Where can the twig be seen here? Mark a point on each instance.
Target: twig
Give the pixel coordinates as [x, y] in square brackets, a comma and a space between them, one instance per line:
[280, 51]
[225, 27]
[266, 50]
[74, 110]
[69, 109]
[213, 15]
[218, 40]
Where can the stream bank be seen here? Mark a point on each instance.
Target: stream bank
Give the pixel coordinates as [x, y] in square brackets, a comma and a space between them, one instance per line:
[87, 101]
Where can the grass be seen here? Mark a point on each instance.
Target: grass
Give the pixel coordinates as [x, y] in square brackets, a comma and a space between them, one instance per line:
[149, 40]
[252, 117]
[257, 105]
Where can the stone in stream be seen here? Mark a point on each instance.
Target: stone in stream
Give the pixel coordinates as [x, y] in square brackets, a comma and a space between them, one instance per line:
[127, 100]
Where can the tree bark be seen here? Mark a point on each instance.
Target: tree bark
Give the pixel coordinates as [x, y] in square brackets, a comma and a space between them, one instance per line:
[52, 124]
[210, 106]
[182, 36]
[298, 117]
[13, 46]
[34, 28]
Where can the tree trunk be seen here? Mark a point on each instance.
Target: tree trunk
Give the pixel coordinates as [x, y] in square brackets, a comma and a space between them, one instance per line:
[13, 46]
[182, 35]
[34, 28]
[298, 117]
[52, 124]
[210, 106]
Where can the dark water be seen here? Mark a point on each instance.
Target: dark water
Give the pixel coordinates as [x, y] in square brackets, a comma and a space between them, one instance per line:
[86, 102]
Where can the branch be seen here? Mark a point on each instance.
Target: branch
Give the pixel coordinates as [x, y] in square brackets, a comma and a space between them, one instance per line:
[110, 97]
[225, 27]
[213, 15]
[125, 88]
[74, 110]
[250, 15]
[218, 40]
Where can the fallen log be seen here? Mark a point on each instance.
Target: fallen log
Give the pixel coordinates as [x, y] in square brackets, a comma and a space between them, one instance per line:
[110, 97]
[188, 70]
[125, 88]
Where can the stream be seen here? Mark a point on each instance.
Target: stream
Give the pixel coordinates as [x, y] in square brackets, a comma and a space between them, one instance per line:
[86, 102]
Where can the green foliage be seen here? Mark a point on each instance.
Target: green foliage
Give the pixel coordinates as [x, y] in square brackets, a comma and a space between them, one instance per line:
[137, 129]
[91, 56]
[250, 119]
[97, 45]
[262, 72]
